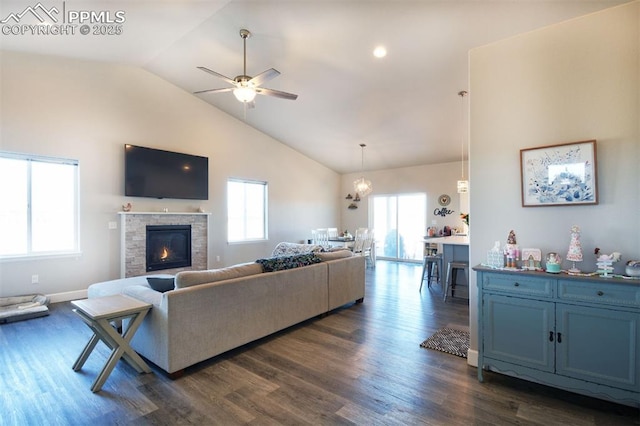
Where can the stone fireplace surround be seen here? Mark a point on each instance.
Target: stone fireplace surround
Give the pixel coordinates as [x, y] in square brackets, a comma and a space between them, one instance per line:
[133, 229]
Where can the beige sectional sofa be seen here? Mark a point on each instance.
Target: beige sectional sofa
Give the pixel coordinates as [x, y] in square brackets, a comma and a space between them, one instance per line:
[211, 312]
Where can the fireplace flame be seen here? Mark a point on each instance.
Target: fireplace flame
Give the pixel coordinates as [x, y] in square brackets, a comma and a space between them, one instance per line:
[165, 254]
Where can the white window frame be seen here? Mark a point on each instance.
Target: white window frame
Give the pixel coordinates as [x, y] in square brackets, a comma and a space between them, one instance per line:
[30, 159]
[244, 218]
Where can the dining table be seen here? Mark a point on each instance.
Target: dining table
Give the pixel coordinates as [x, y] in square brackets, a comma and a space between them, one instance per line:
[346, 242]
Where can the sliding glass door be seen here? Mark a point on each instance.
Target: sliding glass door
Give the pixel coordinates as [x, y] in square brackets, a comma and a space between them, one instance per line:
[400, 223]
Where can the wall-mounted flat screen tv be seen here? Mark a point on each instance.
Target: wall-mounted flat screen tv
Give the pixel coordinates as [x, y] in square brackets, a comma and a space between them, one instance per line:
[156, 173]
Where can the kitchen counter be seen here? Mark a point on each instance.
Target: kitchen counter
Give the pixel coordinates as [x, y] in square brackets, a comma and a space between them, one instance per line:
[454, 239]
[454, 249]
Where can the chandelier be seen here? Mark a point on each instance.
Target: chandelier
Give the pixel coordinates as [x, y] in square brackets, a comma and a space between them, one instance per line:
[361, 185]
[463, 184]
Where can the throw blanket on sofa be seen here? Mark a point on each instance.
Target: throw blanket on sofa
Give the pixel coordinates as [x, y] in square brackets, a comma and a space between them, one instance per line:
[280, 263]
[289, 249]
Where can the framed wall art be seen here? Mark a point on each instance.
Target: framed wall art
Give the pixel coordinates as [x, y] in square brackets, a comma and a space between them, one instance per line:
[559, 175]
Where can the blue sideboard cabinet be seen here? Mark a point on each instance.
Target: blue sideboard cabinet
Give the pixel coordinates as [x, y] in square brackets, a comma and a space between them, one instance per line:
[581, 334]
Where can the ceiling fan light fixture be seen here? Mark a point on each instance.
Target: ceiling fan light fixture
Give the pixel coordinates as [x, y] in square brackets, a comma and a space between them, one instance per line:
[244, 94]
[245, 88]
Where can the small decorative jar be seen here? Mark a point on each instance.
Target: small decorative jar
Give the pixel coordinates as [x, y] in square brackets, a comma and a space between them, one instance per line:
[632, 268]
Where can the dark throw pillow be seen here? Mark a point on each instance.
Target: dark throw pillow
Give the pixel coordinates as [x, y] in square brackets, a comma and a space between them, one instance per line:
[161, 284]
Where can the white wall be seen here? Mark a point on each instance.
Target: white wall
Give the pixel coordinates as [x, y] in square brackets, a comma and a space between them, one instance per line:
[434, 180]
[89, 110]
[573, 81]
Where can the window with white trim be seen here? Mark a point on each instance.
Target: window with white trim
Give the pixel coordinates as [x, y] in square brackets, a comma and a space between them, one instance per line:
[39, 208]
[246, 210]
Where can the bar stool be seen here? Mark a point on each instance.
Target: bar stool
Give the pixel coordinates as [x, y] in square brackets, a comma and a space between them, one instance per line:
[431, 261]
[452, 276]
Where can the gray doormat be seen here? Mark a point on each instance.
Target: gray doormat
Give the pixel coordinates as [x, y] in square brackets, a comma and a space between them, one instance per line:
[448, 340]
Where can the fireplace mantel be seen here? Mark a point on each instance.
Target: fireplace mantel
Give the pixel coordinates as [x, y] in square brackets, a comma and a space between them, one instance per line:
[133, 239]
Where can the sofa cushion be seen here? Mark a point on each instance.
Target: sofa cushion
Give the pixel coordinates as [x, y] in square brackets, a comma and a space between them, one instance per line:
[290, 249]
[190, 278]
[335, 254]
[280, 263]
[161, 284]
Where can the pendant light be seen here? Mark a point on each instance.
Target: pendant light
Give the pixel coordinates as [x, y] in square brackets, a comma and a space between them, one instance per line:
[463, 184]
[362, 186]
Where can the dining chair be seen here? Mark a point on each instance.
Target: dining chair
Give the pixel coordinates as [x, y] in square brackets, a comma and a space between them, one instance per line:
[358, 242]
[362, 230]
[369, 248]
[364, 245]
[332, 232]
[320, 237]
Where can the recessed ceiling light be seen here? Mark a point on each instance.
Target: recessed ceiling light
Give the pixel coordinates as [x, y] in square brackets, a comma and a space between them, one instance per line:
[380, 52]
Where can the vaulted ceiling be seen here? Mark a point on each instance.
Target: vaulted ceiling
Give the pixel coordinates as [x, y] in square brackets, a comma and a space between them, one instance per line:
[405, 107]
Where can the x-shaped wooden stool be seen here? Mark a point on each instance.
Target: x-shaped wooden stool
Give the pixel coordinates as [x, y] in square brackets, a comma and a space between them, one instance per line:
[98, 314]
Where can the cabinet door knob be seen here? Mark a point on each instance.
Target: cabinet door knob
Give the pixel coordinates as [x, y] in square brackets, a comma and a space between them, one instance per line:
[600, 293]
[551, 336]
[516, 284]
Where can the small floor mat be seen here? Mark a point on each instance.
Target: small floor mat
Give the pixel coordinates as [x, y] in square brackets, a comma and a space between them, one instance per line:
[449, 340]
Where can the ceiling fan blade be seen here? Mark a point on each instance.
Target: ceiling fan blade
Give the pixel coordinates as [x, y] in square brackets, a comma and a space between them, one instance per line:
[276, 93]
[224, 77]
[226, 89]
[264, 76]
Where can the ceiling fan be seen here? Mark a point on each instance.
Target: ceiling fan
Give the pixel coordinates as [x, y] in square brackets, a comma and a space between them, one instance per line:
[245, 87]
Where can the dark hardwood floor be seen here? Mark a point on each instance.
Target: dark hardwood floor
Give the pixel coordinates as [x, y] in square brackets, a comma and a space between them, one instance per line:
[361, 364]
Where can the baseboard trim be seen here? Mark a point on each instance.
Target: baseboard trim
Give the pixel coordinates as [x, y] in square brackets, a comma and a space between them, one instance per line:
[472, 357]
[67, 296]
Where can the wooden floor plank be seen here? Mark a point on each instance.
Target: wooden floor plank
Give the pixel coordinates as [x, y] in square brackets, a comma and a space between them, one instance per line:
[361, 364]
